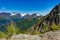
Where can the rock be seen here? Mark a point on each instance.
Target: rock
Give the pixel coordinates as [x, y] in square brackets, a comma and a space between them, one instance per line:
[2, 38]
[52, 35]
[24, 37]
[49, 19]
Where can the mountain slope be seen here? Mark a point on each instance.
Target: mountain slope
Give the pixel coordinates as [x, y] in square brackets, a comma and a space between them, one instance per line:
[24, 22]
[49, 22]
[52, 18]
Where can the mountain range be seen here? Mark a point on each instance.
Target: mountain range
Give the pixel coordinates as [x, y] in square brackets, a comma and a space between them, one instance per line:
[18, 18]
[33, 23]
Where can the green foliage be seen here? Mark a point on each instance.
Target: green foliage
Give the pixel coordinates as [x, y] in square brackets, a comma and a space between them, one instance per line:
[23, 31]
[12, 29]
[55, 27]
[25, 24]
[45, 28]
[15, 28]
[2, 34]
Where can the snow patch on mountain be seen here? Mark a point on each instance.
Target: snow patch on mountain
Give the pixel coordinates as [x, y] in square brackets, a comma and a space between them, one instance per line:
[12, 14]
[23, 14]
[38, 14]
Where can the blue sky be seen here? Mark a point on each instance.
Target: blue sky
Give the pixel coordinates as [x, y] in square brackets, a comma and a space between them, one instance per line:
[27, 6]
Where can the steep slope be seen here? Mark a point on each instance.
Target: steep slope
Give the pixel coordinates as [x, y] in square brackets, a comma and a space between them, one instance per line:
[26, 24]
[48, 22]
[52, 18]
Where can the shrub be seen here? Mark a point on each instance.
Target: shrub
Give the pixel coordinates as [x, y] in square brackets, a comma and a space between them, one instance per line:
[12, 29]
[45, 28]
[55, 27]
[2, 34]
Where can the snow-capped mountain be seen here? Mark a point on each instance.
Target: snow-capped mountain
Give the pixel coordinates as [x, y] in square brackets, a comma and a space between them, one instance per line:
[26, 16]
[6, 18]
[19, 15]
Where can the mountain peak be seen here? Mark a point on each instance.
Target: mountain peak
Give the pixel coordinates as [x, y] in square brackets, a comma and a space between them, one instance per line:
[55, 10]
[59, 4]
[52, 18]
[57, 7]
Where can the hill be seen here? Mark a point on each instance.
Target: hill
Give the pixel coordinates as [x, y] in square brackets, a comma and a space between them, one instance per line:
[48, 22]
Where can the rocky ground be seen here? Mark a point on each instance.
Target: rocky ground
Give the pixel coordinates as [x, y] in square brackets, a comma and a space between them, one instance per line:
[52, 35]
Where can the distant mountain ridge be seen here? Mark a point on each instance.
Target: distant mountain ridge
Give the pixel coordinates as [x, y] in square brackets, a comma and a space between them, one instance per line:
[19, 16]
[6, 18]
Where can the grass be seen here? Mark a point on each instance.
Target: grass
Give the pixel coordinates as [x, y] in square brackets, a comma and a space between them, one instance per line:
[55, 27]
[12, 29]
[2, 35]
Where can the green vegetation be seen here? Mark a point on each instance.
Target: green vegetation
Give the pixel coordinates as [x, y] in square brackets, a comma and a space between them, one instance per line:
[19, 27]
[12, 29]
[45, 28]
[55, 27]
[24, 25]
[36, 32]
[2, 34]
